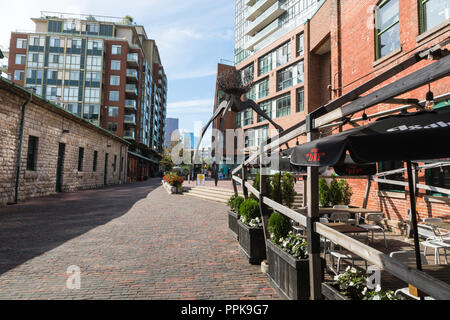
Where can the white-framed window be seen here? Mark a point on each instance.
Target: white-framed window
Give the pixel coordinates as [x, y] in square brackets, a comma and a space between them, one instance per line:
[21, 43]
[114, 96]
[94, 63]
[73, 61]
[19, 75]
[55, 60]
[35, 59]
[95, 44]
[114, 80]
[76, 43]
[91, 111]
[283, 54]
[69, 25]
[56, 42]
[37, 41]
[52, 74]
[113, 111]
[73, 75]
[92, 27]
[72, 107]
[71, 93]
[115, 64]
[34, 74]
[93, 76]
[116, 49]
[300, 72]
[20, 59]
[92, 95]
[53, 92]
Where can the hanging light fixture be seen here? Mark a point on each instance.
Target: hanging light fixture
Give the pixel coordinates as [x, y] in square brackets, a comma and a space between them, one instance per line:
[297, 143]
[429, 103]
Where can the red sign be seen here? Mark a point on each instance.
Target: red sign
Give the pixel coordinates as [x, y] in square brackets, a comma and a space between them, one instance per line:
[314, 155]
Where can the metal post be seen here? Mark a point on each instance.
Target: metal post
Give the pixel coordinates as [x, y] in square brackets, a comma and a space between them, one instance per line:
[264, 209]
[244, 179]
[315, 265]
[412, 199]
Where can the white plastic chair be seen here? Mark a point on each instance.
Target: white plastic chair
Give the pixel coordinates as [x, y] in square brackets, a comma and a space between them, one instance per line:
[434, 240]
[340, 217]
[408, 257]
[375, 218]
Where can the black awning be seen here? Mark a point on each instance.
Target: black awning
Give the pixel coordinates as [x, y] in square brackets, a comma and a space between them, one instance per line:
[349, 168]
[419, 135]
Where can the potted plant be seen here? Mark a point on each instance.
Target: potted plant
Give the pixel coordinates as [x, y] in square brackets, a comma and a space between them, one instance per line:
[338, 192]
[288, 259]
[250, 232]
[352, 285]
[172, 182]
[233, 214]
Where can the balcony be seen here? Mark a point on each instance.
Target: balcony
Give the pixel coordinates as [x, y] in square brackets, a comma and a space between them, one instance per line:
[132, 75]
[130, 104]
[263, 34]
[130, 90]
[258, 9]
[129, 134]
[132, 60]
[129, 119]
[264, 19]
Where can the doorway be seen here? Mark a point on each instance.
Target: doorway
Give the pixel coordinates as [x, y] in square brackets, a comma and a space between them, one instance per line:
[60, 166]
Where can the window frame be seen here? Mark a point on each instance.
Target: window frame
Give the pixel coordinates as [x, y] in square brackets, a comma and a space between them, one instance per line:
[32, 153]
[378, 34]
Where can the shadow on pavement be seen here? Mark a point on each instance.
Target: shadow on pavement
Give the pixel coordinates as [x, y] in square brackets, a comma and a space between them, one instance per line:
[34, 227]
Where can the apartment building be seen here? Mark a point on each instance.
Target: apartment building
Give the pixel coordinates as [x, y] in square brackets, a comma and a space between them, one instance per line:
[270, 45]
[101, 69]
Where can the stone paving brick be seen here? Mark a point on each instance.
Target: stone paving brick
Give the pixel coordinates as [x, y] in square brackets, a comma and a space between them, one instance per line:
[132, 241]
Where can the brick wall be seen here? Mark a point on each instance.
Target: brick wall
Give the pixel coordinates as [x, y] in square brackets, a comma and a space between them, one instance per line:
[354, 63]
[47, 122]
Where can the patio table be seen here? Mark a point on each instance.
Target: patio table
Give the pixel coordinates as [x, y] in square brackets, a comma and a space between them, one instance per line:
[345, 228]
[356, 211]
[441, 225]
[438, 271]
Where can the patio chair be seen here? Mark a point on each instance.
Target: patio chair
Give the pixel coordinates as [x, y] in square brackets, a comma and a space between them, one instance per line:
[324, 241]
[375, 218]
[408, 257]
[342, 255]
[340, 217]
[432, 232]
[343, 206]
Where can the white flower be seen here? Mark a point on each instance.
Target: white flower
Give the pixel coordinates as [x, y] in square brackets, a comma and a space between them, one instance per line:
[348, 268]
[364, 291]
[378, 288]
[353, 270]
[351, 284]
[376, 297]
[336, 277]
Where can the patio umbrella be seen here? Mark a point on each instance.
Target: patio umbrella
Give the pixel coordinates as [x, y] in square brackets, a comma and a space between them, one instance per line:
[421, 135]
[350, 168]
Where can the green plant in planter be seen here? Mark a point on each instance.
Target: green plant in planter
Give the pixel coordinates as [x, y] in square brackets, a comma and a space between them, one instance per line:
[295, 245]
[275, 192]
[256, 184]
[324, 193]
[339, 192]
[249, 210]
[287, 189]
[237, 203]
[279, 226]
[230, 202]
[353, 284]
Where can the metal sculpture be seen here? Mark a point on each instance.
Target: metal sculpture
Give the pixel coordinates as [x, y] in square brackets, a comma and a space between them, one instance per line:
[234, 84]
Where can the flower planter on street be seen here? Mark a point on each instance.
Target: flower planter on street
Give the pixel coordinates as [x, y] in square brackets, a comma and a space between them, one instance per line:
[233, 219]
[290, 276]
[170, 189]
[330, 293]
[252, 243]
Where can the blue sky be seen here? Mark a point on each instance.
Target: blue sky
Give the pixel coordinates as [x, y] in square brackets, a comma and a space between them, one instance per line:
[192, 36]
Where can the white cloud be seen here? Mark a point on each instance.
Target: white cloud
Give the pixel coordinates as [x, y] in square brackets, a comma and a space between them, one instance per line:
[191, 106]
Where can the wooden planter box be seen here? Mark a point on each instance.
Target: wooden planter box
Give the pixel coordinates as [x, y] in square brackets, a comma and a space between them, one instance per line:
[330, 293]
[252, 243]
[288, 275]
[233, 219]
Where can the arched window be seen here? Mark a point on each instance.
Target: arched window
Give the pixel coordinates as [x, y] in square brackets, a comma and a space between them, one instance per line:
[387, 31]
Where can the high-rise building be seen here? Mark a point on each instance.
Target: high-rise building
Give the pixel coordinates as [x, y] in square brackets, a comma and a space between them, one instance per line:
[171, 125]
[270, 40]
[104, 69]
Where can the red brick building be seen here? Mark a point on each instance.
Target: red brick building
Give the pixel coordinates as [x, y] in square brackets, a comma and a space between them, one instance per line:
[345, 44]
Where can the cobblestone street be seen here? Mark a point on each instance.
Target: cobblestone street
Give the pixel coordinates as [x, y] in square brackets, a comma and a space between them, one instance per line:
[132, 241]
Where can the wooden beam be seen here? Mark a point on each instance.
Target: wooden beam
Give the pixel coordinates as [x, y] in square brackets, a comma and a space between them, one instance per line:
[294, 215]
[366, 194]
[264, 210]
[434, 287]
